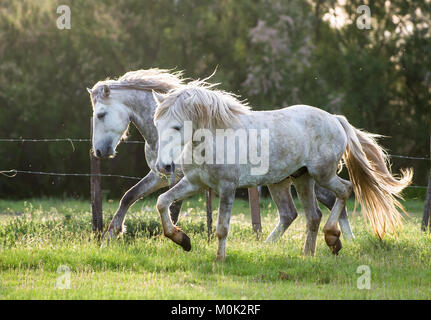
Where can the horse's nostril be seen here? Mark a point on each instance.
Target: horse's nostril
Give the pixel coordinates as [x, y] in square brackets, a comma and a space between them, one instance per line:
[98, 153]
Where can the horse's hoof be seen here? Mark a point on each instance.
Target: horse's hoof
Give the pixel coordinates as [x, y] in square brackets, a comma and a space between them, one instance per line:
[105, 241]
[336, 247]
[185, 242]
[110, 235]
[180, 238]
[332, 239]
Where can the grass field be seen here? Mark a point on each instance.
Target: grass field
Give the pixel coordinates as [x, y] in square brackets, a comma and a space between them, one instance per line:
[42, 239]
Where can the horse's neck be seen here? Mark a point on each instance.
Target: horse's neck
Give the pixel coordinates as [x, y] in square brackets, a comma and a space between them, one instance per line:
[142, 105]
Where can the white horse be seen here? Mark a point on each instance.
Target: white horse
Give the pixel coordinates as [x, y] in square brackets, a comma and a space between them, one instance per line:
[117, 103]
[303, 141]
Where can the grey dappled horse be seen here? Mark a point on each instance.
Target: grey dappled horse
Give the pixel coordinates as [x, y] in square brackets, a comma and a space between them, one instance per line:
[300, 141]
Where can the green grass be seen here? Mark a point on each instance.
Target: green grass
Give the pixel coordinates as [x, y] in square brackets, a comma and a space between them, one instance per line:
[38, 236]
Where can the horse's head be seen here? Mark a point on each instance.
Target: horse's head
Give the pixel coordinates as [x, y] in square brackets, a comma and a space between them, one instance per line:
[110, 120]
[173, 133]
[188, 108]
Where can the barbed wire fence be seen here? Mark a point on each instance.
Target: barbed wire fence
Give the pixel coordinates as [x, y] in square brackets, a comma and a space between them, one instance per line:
[14, 172]
[95, 176]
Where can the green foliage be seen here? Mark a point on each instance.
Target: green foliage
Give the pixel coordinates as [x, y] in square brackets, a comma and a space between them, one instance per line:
[275, 53]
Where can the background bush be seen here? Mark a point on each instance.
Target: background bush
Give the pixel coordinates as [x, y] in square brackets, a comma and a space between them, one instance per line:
[275, 53]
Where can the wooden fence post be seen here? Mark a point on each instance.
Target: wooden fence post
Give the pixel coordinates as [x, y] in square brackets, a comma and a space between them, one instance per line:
[253, 199]
[96, 190]
[209, 195]
[427, 208]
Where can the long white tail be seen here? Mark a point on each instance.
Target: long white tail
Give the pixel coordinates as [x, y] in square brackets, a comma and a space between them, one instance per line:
[374, 185]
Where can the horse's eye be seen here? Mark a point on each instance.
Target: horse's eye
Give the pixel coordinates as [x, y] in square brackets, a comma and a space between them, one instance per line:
[101, 115]
[177, 128]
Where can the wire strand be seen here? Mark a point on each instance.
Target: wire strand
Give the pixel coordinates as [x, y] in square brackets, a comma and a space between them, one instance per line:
[71, 140]
[65, 140]
[12, 173]
[409, 157]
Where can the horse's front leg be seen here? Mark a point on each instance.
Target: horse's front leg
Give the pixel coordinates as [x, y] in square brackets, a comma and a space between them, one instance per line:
[227, 197]
[150, 183]
[180, 191]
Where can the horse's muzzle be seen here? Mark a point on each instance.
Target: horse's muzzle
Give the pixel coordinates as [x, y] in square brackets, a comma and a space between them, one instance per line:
[104, 153]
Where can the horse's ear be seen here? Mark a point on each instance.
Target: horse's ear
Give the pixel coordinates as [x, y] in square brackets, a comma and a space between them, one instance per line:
[158, 97]
[89, 90]
[106, 91]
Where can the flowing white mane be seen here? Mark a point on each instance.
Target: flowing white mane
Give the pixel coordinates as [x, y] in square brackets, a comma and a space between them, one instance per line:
[207, 108]
[161, 80]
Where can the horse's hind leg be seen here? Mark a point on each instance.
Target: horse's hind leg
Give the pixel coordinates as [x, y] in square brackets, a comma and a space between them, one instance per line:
[304, 186]
[327, 198]
[342, 189]
[282, 197]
